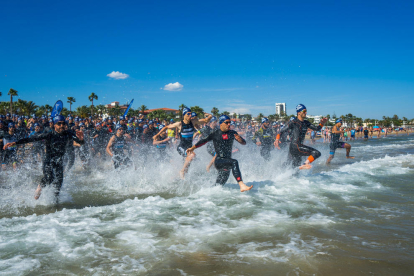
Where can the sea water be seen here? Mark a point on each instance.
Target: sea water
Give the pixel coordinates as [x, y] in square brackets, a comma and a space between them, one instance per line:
[354, 217]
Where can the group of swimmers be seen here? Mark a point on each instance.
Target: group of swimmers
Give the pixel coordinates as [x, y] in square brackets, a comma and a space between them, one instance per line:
[56, 141]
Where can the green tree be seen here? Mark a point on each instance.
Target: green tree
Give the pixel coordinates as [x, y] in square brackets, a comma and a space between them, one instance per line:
[82, 111]
[226, 113]
[12, 93]
[215, 111]
[198, 110]
[92, 97]
[101, 109]
[181, 108]
[71, 100]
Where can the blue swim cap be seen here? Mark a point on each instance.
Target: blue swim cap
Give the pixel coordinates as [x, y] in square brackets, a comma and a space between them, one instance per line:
[8, 114]
[150, 122]
[292, 118]
[213, 119]
[58, 118]
[98, 124]
[140, 121]
[121, 118]
[223, 118]
[161, 127]
[265, 120]
[193, 114]
[232, 123]
[82, 124]
[172, 120]
[300, 107]
[36, 125]
[130, 121]
[186, 110]
[145, 126]
[338, 121]
[11, 125]
[118, 126]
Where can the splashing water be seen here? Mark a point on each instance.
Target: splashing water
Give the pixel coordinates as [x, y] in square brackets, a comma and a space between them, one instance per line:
[353, 217]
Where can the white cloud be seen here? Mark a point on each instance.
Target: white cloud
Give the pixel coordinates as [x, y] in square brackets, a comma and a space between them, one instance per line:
[118, 75]
[173, 86]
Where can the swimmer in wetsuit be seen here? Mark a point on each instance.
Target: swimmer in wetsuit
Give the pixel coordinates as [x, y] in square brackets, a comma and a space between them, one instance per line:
[186, 129]
[116, 147]
[55, 143]
[335, 143]
[298, 128]
[223, 139]
[265, 136]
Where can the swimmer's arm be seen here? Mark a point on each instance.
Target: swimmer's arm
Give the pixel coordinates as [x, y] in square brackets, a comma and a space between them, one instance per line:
[175, 125]
[43, 136]
[239, 139]
[204, 120]
[108, 147]
[200, 143]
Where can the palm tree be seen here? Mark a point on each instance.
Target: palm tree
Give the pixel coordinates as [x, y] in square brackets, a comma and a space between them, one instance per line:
[198, 110]
[48, 109]
[71, 100]
[215, 111]
[142, 108]
[181, 108]
[259, 117]
[101, 109]
[82, 111]
[226, 113]
[12, 93]
[92, 97]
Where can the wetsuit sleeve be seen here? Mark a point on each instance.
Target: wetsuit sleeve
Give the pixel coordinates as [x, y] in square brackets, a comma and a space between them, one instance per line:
[43, 136]
[239, 138]
[284, 129]
[204, 141]
[76, 139]
[313, 127]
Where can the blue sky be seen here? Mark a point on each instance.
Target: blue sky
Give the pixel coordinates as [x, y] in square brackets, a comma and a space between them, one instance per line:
[239, 56]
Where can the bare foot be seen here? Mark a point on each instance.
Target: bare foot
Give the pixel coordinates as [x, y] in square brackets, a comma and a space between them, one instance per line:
[305, 167]
[208, 168]
[350, 157]
[244, 187]
[38, 192]
[182, 173]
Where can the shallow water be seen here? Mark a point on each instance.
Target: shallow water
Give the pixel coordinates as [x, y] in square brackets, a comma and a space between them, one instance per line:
[354, 217]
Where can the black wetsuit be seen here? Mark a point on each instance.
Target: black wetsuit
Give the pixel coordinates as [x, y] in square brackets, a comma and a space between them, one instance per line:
[265, 136]
[38, 147]
[223, 145]
[10, 154]
[186, 138]
[100, 142]
[335, 143]
[297, 134]
[118, 147]
[205, 132]
[56, 144]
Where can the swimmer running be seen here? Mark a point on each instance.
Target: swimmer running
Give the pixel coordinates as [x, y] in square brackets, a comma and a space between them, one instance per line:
[298, 128]
[335, 143]
[223, 139]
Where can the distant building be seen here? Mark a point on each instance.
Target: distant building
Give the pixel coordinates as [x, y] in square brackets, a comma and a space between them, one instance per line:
[280, 108]
[316, 119]
[116, 104]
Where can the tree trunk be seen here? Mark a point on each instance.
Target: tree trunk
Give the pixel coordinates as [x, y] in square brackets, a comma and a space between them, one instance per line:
[11, 104]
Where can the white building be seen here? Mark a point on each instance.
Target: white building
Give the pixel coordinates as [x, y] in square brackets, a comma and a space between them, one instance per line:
[316, 119]
[280, 107]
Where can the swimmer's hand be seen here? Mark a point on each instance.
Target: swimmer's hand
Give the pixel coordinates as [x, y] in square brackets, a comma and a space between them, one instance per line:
[323, 121]
[258, 143]
[8, 145]
[79, 134]
[190, 150]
